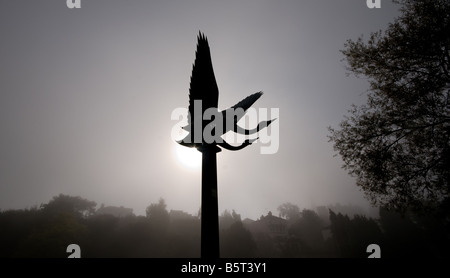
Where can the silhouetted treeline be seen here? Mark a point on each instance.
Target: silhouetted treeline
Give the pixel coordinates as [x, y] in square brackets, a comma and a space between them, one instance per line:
[116, 232]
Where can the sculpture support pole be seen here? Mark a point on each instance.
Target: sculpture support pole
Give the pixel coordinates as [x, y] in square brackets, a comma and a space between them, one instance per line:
[210, 207]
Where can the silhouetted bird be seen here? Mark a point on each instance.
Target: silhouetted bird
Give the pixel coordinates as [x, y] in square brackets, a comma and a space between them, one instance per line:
[204, 95]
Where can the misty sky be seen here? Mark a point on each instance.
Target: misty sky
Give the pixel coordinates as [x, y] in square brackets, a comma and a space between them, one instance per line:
[86, 97]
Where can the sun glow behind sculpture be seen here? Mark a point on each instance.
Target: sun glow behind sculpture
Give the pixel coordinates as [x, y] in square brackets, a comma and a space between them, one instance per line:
[188, 157]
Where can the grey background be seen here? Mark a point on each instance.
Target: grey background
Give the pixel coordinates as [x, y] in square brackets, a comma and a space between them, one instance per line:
[86, 97]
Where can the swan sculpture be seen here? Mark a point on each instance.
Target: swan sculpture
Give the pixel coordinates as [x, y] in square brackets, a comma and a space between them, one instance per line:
[204, 95]
[204, 117]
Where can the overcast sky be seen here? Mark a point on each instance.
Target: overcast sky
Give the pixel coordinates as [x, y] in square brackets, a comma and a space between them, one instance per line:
[86, 98]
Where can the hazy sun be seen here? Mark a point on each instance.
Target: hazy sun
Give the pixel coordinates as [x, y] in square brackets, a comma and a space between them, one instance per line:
[188, 157]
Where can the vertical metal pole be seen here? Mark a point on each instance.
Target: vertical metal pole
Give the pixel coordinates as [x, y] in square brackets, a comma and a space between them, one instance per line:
[210, 207]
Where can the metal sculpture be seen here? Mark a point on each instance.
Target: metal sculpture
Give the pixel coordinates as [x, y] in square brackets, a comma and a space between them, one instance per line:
[206, 125]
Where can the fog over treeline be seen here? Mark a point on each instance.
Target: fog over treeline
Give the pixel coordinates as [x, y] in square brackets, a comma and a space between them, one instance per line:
[291, 232]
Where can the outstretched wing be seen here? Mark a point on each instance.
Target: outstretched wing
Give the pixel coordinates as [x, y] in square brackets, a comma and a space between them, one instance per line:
[248, 101]
[203, 82]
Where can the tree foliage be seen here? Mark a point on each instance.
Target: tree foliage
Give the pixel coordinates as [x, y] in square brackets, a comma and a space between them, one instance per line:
[306, 238]
[37, 233]
[397, 145]
[69, 204]
[289, 211]
[158, 213]
[352, 236]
